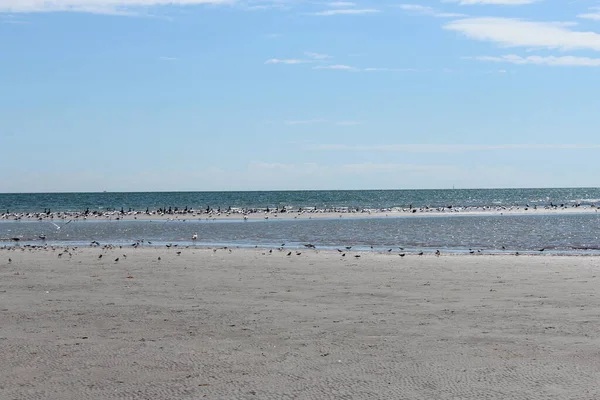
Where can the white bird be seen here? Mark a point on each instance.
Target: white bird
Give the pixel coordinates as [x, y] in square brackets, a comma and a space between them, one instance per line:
[195, 236]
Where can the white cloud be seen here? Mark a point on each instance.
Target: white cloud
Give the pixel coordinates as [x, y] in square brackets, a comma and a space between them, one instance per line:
[593, 16]
[518, 33]
[317, 56]
[120, 7]
[341, 4]
[539, 60]
[448, 148]
[287, 61]
[168, 58]
[493, 2]
[347, 123]
[346, 11]
[339, 67]
[426, 10]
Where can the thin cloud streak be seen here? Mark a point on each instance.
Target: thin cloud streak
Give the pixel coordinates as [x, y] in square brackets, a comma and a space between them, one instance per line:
[287, 61]
[564, 61]
[450, 148]
[112, 7]
[428, 11]
[346, 11]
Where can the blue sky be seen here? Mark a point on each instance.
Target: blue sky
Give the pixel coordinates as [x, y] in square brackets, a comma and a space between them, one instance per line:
[128, 95]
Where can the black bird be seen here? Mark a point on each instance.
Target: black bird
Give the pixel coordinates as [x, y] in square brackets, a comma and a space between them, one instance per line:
[298, 253]
[348, 247]
[270, 251]
[158, 258]
[344, 255]
[437, 253]
[178, 253]
[517, 253]
[471, 252]
[339, 251]
[390, 250]
[421, 253]
[289, 254]
[402, 255]
[357, 256]
[9, 260]
[117, 259]
[541, 249]
[100, 256]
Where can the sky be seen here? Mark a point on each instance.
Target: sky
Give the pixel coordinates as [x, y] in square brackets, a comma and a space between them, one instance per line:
[201, 95]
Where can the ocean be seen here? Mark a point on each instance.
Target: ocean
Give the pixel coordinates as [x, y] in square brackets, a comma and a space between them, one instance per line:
[570, 233]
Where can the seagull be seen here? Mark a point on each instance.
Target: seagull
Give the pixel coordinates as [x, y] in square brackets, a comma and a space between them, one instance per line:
[195, 236]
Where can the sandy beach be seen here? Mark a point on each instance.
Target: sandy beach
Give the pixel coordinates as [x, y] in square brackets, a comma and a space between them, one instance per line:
[250, 324]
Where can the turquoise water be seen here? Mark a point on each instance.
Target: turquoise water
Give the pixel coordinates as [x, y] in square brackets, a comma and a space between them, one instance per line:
[361, 199]
[559, 233]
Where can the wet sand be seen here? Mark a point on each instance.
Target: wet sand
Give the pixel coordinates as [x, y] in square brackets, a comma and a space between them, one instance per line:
[249, 324]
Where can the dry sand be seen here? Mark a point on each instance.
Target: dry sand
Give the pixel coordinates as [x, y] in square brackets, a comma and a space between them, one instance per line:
[248, 325]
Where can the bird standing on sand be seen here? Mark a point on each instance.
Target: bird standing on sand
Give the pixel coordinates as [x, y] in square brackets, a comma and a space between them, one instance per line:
[9, 260]
[289, 254]
[117, 259]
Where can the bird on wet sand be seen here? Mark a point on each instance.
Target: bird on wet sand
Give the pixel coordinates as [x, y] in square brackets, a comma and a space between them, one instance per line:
[9, 260]
[421, 253]
[289, 254]
[195, 236]
[437, 253]
[117, 259]
[402, 254]
[357, 256]
[100, 256]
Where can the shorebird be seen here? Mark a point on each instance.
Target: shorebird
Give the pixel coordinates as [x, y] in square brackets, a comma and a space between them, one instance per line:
[402, 254]
[117, 259]
[289, 254]
[9, 260]
[421, 253]
[195, 236]
[437, 253]
[100, 256]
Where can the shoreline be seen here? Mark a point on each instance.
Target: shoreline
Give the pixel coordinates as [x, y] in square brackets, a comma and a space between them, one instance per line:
[155, 323]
